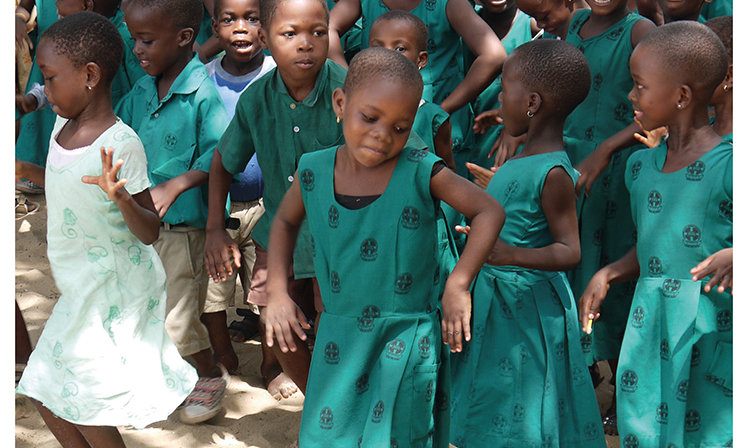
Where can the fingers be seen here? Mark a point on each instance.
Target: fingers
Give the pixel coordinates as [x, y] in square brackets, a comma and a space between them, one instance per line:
[641, 138]
[465, 230]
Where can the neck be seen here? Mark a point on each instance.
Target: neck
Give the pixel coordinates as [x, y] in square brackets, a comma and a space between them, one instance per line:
[84, 129]
[692, 134]
[723, 117]
[235, 68]
[694, 17]
[165, 80]
[299, 89]
[606, 21]
[501, 22]
[544, 135]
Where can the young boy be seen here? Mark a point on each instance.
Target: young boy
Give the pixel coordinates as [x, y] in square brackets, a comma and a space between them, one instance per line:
[283, 115]
[179, 116]
[236, 24]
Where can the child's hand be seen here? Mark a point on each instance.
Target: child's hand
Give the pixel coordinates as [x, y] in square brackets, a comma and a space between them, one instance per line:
[284, 319]
[220, 249]
[456, 305]
[590, 169]
[501, 253]
[719, 264]
[650, 138]
[22, 33]
[593, 296]
[164, 195]
[505, 148]
[482, 175]
[108, 179]
[486, 120]
[26, 103]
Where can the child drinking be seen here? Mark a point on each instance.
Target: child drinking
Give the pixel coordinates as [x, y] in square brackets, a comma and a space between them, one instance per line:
[522, 381]
[378, 377]
[104, 358]
[674, 379]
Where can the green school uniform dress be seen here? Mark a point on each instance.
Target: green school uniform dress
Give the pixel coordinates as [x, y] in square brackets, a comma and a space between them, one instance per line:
[605, 225]
[179, 133]
[443, 72]
[280, 129]
[522, 380]
[674, 380]
[36, 127]
[104, 357]
[378, 375]
[716, 8]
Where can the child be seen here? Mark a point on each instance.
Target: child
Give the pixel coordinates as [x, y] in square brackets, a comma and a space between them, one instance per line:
[683, 10]
[674, 377]
[525, 319]
[722, 98]
[236, 25]
[378, 380]
[283, 115]
[179, 116]
[552, 16]
[104, 358]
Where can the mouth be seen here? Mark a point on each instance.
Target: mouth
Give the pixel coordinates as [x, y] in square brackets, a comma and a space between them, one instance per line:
[144, 62]
[241, 45]
[305, 64]
[602, 2]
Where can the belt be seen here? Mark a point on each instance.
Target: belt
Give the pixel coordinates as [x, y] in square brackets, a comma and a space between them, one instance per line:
[231, 223]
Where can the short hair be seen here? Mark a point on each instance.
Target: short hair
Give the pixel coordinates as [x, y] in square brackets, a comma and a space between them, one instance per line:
[556, 69]
[179, 13]
[722, 27]
[379, 63]
[691, 52]
[86, 37]
[414, 22]
[268, 8]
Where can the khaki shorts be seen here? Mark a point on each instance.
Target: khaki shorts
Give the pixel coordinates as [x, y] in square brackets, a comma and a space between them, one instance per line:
[221, 294]
[181, 251]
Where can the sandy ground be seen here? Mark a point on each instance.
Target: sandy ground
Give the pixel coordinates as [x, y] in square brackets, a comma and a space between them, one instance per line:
[251, 417]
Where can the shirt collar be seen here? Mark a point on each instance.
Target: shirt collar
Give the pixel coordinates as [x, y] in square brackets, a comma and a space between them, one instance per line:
[187, 82]
[279, 86]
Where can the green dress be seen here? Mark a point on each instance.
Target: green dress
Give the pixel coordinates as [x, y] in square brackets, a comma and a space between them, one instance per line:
[522, 380]
[605, 225]
[378, 375]
[675, 371]
[442, 74]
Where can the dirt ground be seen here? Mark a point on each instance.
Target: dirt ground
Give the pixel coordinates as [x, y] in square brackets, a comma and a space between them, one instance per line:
[251, 419]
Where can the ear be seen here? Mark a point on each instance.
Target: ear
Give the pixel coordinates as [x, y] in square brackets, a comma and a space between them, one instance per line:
[93, 74]
[533, 103]
[569, 5]
[423, 59]
[263, 38]
[214, 25]
[338, 102]
[685, 95]
[728, 78]
[186, 36]
[88, 5]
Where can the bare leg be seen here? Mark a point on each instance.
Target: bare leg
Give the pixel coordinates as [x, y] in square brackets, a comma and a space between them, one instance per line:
[102, 436]
[65, 432]
[610, 423]
[219, 339]
[277, 383]
[23, 342]
[205, 364]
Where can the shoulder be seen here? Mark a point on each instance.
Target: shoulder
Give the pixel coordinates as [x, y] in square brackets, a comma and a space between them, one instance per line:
[640, 28]
[335, 73]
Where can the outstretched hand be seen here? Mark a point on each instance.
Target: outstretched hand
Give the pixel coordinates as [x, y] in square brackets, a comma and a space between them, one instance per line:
[505, 147]
[284, 320]
[650, 138]
[589, 303]
[590, 169]
[107, 181]
[482, 175]
[486, 120]
[719, 264]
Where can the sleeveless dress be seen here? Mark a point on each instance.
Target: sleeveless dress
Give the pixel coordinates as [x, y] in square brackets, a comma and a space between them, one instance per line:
[675, 371]
[104, 357]
[442, 74]
[376, 377]
[605, 225]
[522, 380]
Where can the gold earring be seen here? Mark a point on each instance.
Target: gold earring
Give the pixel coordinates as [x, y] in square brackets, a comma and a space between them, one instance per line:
[679, 106]
[338, 119]
[725, 87]
[89, 87]
[529, 114]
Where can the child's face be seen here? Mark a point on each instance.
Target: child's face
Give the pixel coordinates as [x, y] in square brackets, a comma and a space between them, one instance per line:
[64, 83]
[377, 119]
[67, 7]
[655, 93]
[606, 7]
[297, 39]
[513, 99]
[495, 6]
[236, 27]
[398, 36]
[551, 15]
[157, 45]
[680, 9]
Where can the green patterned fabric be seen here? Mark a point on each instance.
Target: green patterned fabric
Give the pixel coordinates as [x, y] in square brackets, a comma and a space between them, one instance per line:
[674, 379]
[379, 375]
[522, 380]
[104, 357]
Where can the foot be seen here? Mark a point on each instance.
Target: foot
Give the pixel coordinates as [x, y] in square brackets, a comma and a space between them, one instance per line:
[229, 360]
[610, 423]
[243, 330]
[281, 386]
[28, 187]
[25, 207]
[204, 402]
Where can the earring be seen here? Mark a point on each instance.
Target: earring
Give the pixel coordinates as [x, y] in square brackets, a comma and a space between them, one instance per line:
[530, 114]
[725, 87]
[338, 119]
[89, 87]
[679, 106]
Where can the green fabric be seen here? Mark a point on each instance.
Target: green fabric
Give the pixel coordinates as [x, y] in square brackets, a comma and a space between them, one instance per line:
[179, 133]
[522, 380]
[266, 121]
[444, 71]
[715, 8]
[36, 127]
[605, 224]
[674, 379]
[379, 375]
[104, 357]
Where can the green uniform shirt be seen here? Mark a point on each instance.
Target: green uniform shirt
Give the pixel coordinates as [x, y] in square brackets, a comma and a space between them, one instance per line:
[279, 129]
[179, 133]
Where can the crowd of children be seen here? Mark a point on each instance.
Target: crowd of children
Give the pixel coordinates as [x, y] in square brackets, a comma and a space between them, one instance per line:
[439, 244]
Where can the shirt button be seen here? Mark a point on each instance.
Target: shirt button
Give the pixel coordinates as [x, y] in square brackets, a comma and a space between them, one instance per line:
[293, 106]
[290, 178]
[155, 115]
[296, 129]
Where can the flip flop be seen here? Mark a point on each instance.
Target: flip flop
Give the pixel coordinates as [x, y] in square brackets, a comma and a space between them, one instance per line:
[246, 327]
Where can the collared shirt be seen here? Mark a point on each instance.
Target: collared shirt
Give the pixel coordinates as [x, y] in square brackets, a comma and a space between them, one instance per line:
[179, 133]
[279, 129]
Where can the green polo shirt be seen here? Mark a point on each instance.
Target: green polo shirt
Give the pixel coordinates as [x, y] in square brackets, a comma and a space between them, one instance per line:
[179, 133]
[279, 129]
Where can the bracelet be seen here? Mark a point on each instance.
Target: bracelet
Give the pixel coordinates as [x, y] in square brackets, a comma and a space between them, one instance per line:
[25, 19]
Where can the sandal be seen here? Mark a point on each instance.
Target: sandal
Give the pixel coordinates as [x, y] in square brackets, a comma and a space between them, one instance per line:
[610, 423]
[25, 207]
[244, 329]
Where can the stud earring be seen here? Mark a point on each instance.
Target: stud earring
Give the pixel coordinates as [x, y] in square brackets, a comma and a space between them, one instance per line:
[530, 114]
[679, 106]
[89, 87]
[338, 119]
[725, 87]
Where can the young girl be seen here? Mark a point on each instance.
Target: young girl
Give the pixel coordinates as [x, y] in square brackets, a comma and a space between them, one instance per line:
[378, 376]
[104, 358]
[674, 379]
[722, 98]
[522, 381]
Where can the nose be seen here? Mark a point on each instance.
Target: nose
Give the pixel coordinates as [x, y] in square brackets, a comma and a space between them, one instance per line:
[631, 94]
[241, 26]
[305, 43]
[501, 97]
[381, 134]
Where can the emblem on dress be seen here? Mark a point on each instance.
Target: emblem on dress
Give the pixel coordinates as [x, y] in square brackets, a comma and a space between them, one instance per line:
[637, 319]
[333, 217]
[369, 249]
[629, 381]
[307, 179]
[693, 420]
[332, 353]
[396, 349]
[662, 413]
[636, 169]
[671, 288]
[325, 418]
[724, 320]
[695, 171]
[681, 392]
[424, 347]
[362, 384]
[630, 441]
[410, 218]
[403, 283]
[366, 321]
[378, 413]
[691, 236]
[654, 202]
[654, 266]
[664, 350]
[334, 282]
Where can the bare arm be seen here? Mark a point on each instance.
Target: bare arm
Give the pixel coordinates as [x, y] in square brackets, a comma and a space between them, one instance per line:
[342, 17]
[443, 144]
[165, 194]
[29, 171]
[593, 165]
[219, 247]
[481, 40]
